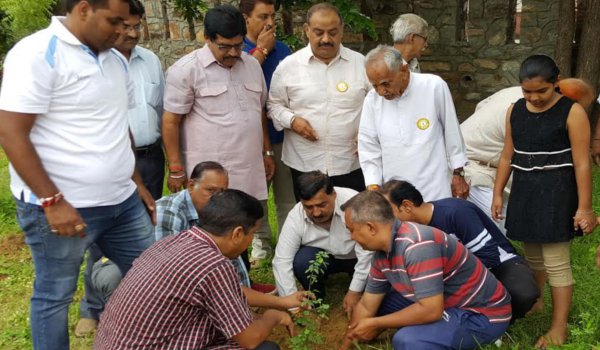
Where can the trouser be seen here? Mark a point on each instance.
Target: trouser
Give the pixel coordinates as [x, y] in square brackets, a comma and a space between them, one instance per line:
[302, 261]
[457, 329]
[519, 281]
[554, 259]
[150, 162]
[283, 193]
[122, 231]
[354, 180]
[100, 278]
[482, 197]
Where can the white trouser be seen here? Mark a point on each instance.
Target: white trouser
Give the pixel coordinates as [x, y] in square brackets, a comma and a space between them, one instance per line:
[482, 197]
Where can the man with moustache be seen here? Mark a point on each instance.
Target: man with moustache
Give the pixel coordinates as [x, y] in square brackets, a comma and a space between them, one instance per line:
[314, 225]
[214, 102]
[214, 99]
[144, 123]
[409, 130]
[316, 98]
[63, 126]
[260, 42]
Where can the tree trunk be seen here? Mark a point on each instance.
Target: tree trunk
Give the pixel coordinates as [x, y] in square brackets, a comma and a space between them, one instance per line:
[165, 18]
[563, 48]
[287, 19]
[191, 29]
[588, 65]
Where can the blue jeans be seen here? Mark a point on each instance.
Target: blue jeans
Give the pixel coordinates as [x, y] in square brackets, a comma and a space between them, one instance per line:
[122, 232]
[100, 280]
[458, 328]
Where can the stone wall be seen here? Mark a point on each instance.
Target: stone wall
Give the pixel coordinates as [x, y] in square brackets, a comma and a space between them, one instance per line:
[475, 54]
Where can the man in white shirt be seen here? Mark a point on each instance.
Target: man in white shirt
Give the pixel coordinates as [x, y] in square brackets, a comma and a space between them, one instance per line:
[316, 97]
[144, 123]
[314, 225]
[409, 130]
[409, 33]
[63, 125]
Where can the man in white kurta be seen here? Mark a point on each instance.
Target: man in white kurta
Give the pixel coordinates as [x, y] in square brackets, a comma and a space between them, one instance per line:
[409, 130]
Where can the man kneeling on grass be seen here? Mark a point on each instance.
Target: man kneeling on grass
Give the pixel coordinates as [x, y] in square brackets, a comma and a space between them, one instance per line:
[422, 281]
[184, 293]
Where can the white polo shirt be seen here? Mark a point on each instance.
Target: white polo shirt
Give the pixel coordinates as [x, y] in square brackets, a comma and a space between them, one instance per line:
[81, 102]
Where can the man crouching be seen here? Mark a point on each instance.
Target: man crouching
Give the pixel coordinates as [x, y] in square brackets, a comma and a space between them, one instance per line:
[422, 282]
[184, 293]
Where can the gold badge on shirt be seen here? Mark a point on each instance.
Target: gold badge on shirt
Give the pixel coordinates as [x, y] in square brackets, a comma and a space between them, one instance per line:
[342, 86]
[423, 123]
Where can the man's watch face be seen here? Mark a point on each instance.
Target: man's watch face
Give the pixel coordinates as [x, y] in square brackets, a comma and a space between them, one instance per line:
[460, 173]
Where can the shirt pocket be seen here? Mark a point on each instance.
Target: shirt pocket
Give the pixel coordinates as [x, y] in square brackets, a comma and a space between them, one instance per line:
[153, 94]
[251, 99]
[214, 100]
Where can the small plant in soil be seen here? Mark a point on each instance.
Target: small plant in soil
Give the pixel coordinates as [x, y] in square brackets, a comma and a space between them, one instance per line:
[313, 310]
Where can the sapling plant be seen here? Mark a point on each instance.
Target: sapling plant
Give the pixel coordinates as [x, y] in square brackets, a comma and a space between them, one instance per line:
[312, 308]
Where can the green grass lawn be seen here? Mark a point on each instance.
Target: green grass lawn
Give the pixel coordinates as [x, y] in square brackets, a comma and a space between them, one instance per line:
[16, 278]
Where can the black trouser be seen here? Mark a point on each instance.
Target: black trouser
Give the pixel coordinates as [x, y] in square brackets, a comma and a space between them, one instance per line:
[150, 161]
[354, 180]
[519, 281]
[302, 261]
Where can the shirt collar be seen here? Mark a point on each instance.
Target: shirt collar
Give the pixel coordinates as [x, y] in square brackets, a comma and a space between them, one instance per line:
[58, 28]
[199, 233]
[206, 57]
[307, 55]
[192, 214]
[135, 53]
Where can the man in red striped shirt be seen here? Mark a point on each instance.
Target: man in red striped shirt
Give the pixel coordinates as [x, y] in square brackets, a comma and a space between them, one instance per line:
[184, 293]
[422, 281]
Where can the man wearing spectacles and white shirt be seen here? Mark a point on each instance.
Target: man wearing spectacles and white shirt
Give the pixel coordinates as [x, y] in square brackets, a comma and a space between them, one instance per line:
[409, 33]
[214, 109]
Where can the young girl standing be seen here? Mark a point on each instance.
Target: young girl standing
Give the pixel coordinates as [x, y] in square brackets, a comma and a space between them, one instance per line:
[547, 147]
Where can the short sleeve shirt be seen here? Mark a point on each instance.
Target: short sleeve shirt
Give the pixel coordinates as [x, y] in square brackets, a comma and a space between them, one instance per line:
[424, 261]
[80, 100]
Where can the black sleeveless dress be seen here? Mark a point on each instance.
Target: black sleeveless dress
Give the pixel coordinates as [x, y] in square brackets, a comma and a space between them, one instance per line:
[543, 197]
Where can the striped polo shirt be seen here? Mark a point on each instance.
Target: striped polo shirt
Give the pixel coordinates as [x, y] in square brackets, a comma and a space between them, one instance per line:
[424, 261]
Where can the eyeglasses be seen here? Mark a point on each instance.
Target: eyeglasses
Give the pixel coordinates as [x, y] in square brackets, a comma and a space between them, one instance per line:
[129, 27]
[226, 48]
[420, 36]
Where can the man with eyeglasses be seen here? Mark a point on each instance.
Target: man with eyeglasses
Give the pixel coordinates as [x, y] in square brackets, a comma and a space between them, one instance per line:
[101, 275]
[409, 33]
[63, 126]
[214, 102]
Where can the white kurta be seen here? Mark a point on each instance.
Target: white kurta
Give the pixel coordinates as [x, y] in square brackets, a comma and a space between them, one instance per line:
[415, 137]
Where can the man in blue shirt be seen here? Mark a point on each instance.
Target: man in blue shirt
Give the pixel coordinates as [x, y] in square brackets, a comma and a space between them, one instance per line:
[260, 42]
[476, 231]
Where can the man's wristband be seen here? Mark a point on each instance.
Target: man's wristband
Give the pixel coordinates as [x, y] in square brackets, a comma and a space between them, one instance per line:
[459, 172]
[50, 201]
[269, 153]
[373, 187]
[264, 51]
[175, 168]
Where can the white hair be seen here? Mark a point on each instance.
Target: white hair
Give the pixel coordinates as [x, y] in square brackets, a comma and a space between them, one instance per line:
[388, 54]
[406, 24]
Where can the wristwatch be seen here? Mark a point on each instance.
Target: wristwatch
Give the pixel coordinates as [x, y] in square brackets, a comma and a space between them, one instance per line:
[459, 172]
[269, 153]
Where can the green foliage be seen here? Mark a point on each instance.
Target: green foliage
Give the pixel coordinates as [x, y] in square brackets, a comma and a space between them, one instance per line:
[26, 16]
[190, 10]
[314, 310]
[354, 19]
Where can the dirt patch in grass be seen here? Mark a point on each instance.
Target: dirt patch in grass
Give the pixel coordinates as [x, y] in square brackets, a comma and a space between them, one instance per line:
[11, 244]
